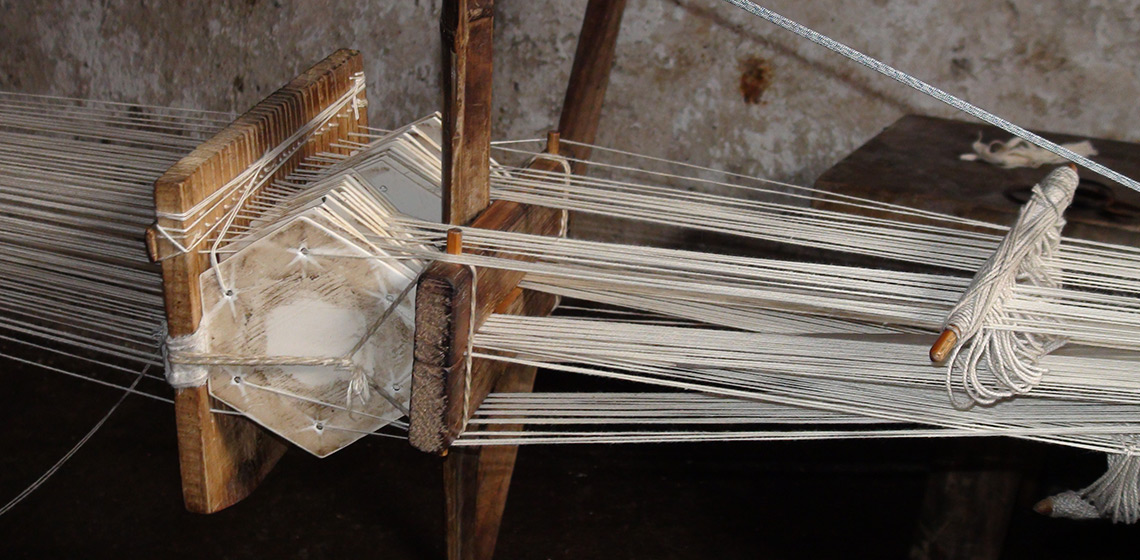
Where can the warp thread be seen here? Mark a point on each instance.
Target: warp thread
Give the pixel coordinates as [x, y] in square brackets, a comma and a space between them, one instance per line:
[987, 331]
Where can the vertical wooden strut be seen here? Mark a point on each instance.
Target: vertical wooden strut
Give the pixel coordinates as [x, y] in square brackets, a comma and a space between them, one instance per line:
[224, 457]
[476, 480]
[467, 28]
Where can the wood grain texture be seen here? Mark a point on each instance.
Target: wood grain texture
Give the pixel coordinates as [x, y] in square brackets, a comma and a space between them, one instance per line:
[477, 480]
[224, 457]
[467, 29]
[441, 326]
[590, 76]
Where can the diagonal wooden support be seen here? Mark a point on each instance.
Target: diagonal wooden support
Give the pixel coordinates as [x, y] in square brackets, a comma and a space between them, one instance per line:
[476, 480]
[589, 77]
[224, 457]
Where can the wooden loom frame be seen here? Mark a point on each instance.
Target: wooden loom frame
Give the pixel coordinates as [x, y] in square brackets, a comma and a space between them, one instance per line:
[224, 457]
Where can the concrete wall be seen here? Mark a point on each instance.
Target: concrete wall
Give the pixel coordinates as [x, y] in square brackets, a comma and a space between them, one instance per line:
[677, 86]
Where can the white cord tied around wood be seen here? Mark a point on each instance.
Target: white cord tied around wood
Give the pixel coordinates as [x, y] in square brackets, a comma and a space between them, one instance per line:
[187, 359]
[179, 373]
[1115, 496]
[982, 332]
[564, 220]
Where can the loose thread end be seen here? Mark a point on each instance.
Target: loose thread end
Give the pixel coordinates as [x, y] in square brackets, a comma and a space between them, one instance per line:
[943, 346]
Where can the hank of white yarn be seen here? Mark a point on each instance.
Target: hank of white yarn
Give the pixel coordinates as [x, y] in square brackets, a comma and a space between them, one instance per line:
[992, 358]
[1016, 152]
[1115, 496]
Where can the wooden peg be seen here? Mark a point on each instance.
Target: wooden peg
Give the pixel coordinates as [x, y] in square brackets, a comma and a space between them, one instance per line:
[944, 345]
[454, 241]
[1044, 507]
[552, 142]
[152, 244]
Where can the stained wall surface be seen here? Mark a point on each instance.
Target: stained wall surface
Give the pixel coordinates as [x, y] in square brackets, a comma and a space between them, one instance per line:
[695, 79]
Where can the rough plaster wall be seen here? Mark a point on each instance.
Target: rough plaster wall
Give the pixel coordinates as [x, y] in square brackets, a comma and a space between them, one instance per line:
[676, 89]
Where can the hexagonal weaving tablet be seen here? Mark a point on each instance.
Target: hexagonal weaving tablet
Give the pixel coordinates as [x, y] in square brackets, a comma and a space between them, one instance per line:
[307, 290]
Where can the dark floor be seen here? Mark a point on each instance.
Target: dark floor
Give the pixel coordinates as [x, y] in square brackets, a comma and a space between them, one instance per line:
[119, 497]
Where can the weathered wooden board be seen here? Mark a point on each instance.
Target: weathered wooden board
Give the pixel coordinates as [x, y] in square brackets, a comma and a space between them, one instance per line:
[589, 77]
[915, 162]
[223, 457]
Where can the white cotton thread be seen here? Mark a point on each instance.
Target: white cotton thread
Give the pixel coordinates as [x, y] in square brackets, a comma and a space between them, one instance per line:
[469, 352]
[993, 359]
[78, 445]
[1072, 505]
[182, 375]
[564, 223]
[929, 90]
[1114, 496]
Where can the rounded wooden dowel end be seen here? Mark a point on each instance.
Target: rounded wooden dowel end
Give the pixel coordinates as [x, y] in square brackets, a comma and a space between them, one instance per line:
[1073, 166]
[943, 346]
[454, 241]
[1044, 507]
[553, 142]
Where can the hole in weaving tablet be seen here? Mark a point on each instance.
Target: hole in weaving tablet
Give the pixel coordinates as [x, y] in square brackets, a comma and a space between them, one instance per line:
[303, 250]
[229, 293]
[237, 380]
[320, 426]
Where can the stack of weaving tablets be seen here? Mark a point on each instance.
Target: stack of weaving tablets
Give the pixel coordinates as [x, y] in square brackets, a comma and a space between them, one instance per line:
[307, 322]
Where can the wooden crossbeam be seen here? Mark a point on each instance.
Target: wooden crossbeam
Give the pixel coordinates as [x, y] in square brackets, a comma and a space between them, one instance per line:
[224, 457]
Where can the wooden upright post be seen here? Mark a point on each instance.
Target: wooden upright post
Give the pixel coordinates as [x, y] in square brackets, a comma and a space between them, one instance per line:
[476, 480]
[467, 28]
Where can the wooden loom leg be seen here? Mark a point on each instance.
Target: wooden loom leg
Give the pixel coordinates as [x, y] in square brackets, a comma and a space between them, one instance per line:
[590, 75]
[967, 507]
[476, 481]
[223, 457]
